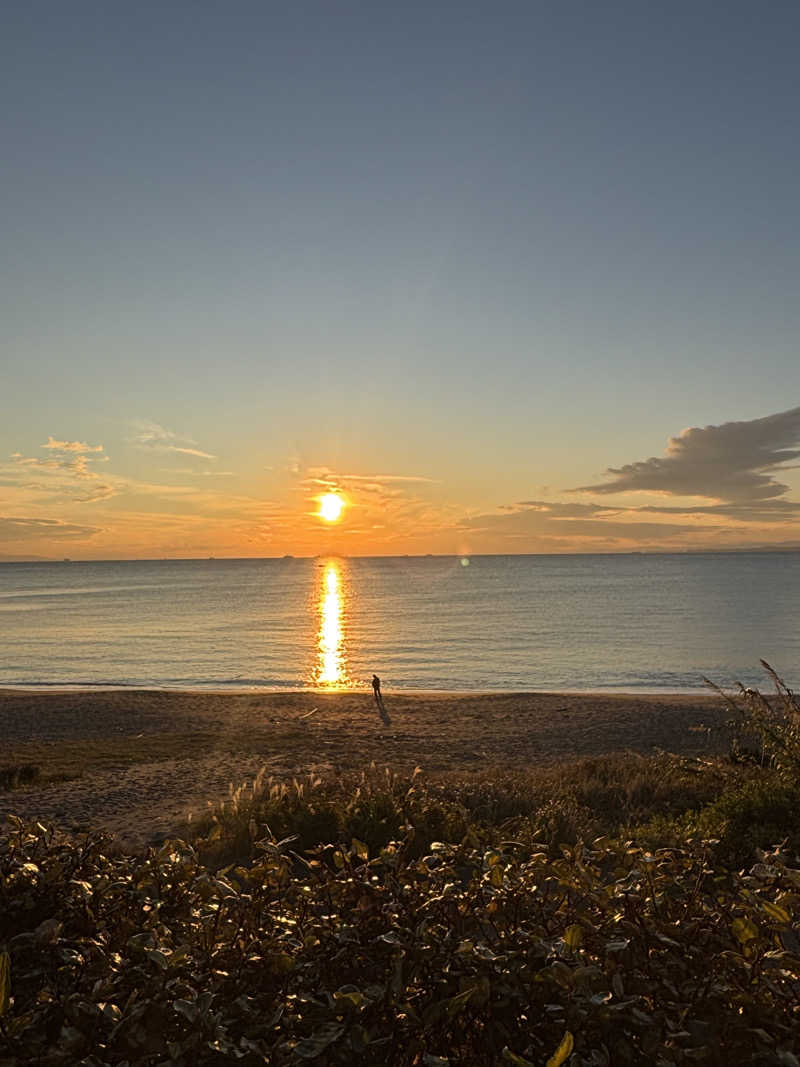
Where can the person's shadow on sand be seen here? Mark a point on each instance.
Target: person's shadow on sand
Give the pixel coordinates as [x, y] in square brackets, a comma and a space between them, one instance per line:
[376, 689]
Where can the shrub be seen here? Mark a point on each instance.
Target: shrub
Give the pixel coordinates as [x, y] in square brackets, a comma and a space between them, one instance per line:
[610, 954]
[774, 722]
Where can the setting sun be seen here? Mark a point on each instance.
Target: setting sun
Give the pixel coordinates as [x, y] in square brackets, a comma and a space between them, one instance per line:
[330, 507]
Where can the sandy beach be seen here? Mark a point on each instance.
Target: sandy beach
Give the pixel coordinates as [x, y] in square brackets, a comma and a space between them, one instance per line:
[139, 762]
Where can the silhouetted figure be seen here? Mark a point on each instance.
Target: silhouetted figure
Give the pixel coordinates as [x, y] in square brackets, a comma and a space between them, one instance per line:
[376, 689]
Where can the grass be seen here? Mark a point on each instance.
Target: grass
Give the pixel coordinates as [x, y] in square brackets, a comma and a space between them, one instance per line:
[562, 803]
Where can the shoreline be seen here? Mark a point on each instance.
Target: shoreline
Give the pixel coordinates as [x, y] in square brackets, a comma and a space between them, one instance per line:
[233, 690]
[139, 762]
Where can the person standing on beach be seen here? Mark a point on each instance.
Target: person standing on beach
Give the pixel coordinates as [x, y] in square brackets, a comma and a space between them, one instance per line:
[376, 689]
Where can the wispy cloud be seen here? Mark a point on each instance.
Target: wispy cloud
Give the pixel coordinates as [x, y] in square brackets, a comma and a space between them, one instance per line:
[387, 478]
[150, 435]
[732, 463]
[23, 529]
[388, 485]
[547, 525]
[191, 472]
[76, 464]
[70, 446]
[72, 457]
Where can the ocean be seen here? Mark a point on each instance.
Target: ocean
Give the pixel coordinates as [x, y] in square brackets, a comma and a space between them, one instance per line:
[628, 622]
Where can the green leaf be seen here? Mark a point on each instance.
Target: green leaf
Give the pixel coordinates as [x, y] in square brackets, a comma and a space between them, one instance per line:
[512, 1057]
[186, 1008]
[360, 849]
[562, 974]
[350, 995]
[744, 930]
[573, 936]
[563, 1050]
[282, 962]
[5, 982]
[458, 1003]
[775, 911]
[311, 1047]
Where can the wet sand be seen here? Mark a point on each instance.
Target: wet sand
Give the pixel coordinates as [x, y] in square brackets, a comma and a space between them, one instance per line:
[139, 762]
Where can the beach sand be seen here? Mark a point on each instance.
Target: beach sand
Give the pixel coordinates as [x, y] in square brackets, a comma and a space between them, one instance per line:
[139, 762]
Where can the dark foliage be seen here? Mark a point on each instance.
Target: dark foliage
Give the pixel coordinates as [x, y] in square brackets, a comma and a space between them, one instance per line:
[468, 953]
[18, 774]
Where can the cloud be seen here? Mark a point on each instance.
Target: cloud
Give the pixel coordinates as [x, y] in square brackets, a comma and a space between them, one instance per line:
[759, 511]
[150, 435]
[64, 475]
[23, 529]
[93, 493]
[573, 525]
[732, 463]
[386, 486]
[68, 459]
[730, 468]
[77, 465]
[198, 474]
[70, 446]
[381, 478]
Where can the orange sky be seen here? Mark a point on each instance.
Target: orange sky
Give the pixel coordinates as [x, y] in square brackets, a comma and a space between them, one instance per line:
[723, 486]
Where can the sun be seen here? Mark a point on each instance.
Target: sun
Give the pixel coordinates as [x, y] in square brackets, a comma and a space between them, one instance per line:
[331, 506]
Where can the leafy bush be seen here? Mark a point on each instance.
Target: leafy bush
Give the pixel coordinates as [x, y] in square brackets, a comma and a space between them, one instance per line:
[342, 929]
[765, 808]
[465, 955]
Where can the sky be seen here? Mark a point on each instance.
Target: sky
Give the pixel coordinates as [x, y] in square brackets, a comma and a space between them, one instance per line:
[508, 277]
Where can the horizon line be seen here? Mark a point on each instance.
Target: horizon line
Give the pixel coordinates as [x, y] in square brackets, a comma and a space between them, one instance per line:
[730, 550]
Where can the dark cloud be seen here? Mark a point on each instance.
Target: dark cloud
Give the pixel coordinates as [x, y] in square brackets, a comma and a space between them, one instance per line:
[732, 462]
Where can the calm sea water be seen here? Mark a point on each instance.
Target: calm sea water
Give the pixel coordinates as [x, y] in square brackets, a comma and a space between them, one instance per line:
[493, 622]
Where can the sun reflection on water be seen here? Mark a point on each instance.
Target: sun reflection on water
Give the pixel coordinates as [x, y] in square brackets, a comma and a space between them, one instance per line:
[331, 669]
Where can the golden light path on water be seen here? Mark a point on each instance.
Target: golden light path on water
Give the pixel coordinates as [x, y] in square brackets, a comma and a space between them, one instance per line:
[331, 669]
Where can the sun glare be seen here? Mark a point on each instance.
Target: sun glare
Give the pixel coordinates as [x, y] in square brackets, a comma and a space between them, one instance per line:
[330, 507]
[331, 669]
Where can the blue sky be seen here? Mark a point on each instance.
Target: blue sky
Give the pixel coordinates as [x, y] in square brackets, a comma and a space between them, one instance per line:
[469, 255]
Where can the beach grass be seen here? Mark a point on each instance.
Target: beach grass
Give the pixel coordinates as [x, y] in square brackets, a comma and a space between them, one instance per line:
[560, 803]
